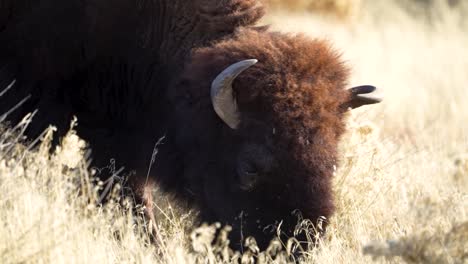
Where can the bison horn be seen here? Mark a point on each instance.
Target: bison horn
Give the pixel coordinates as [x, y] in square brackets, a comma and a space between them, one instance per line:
[358, 98]
[222, 97]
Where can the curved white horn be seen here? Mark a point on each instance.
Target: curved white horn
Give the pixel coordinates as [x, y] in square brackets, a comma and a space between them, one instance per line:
[222, 97]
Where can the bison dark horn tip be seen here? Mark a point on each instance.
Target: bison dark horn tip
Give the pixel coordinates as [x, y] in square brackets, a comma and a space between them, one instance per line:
[363, 89]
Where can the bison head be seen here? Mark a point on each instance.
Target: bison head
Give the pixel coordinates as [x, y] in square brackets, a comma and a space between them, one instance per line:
[259, 117]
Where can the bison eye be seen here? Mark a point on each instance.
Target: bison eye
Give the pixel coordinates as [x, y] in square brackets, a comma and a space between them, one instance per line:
[251, 173]
[248, 176]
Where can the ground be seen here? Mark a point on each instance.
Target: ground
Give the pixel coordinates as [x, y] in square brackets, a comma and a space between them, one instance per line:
[401, 188]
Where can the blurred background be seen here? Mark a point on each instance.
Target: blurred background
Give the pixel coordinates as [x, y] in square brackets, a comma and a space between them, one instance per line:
[347, 8]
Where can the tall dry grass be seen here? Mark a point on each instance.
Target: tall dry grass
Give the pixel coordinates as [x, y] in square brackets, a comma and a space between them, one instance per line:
[401, 189]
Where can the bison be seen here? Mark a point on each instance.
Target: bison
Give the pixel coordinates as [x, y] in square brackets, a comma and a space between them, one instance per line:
[251, 118]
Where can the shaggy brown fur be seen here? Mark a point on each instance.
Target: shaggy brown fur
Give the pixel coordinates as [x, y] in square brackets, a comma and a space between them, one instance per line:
[134, 71]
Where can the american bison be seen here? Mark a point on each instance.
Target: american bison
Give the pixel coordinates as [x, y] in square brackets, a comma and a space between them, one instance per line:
[251, 118]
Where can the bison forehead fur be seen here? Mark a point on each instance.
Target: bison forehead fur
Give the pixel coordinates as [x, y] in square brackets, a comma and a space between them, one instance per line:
[151, 76]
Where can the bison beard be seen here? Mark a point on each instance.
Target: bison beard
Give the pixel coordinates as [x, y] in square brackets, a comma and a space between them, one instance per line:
[258, 140]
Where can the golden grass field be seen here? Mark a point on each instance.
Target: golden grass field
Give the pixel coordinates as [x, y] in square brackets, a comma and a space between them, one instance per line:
[401, 189]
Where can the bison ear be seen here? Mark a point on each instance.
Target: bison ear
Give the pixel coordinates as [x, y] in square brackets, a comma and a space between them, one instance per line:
[363, 95]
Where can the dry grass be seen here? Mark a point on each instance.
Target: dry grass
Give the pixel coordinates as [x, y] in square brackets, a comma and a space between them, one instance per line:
[428, 247]
[401, 189]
